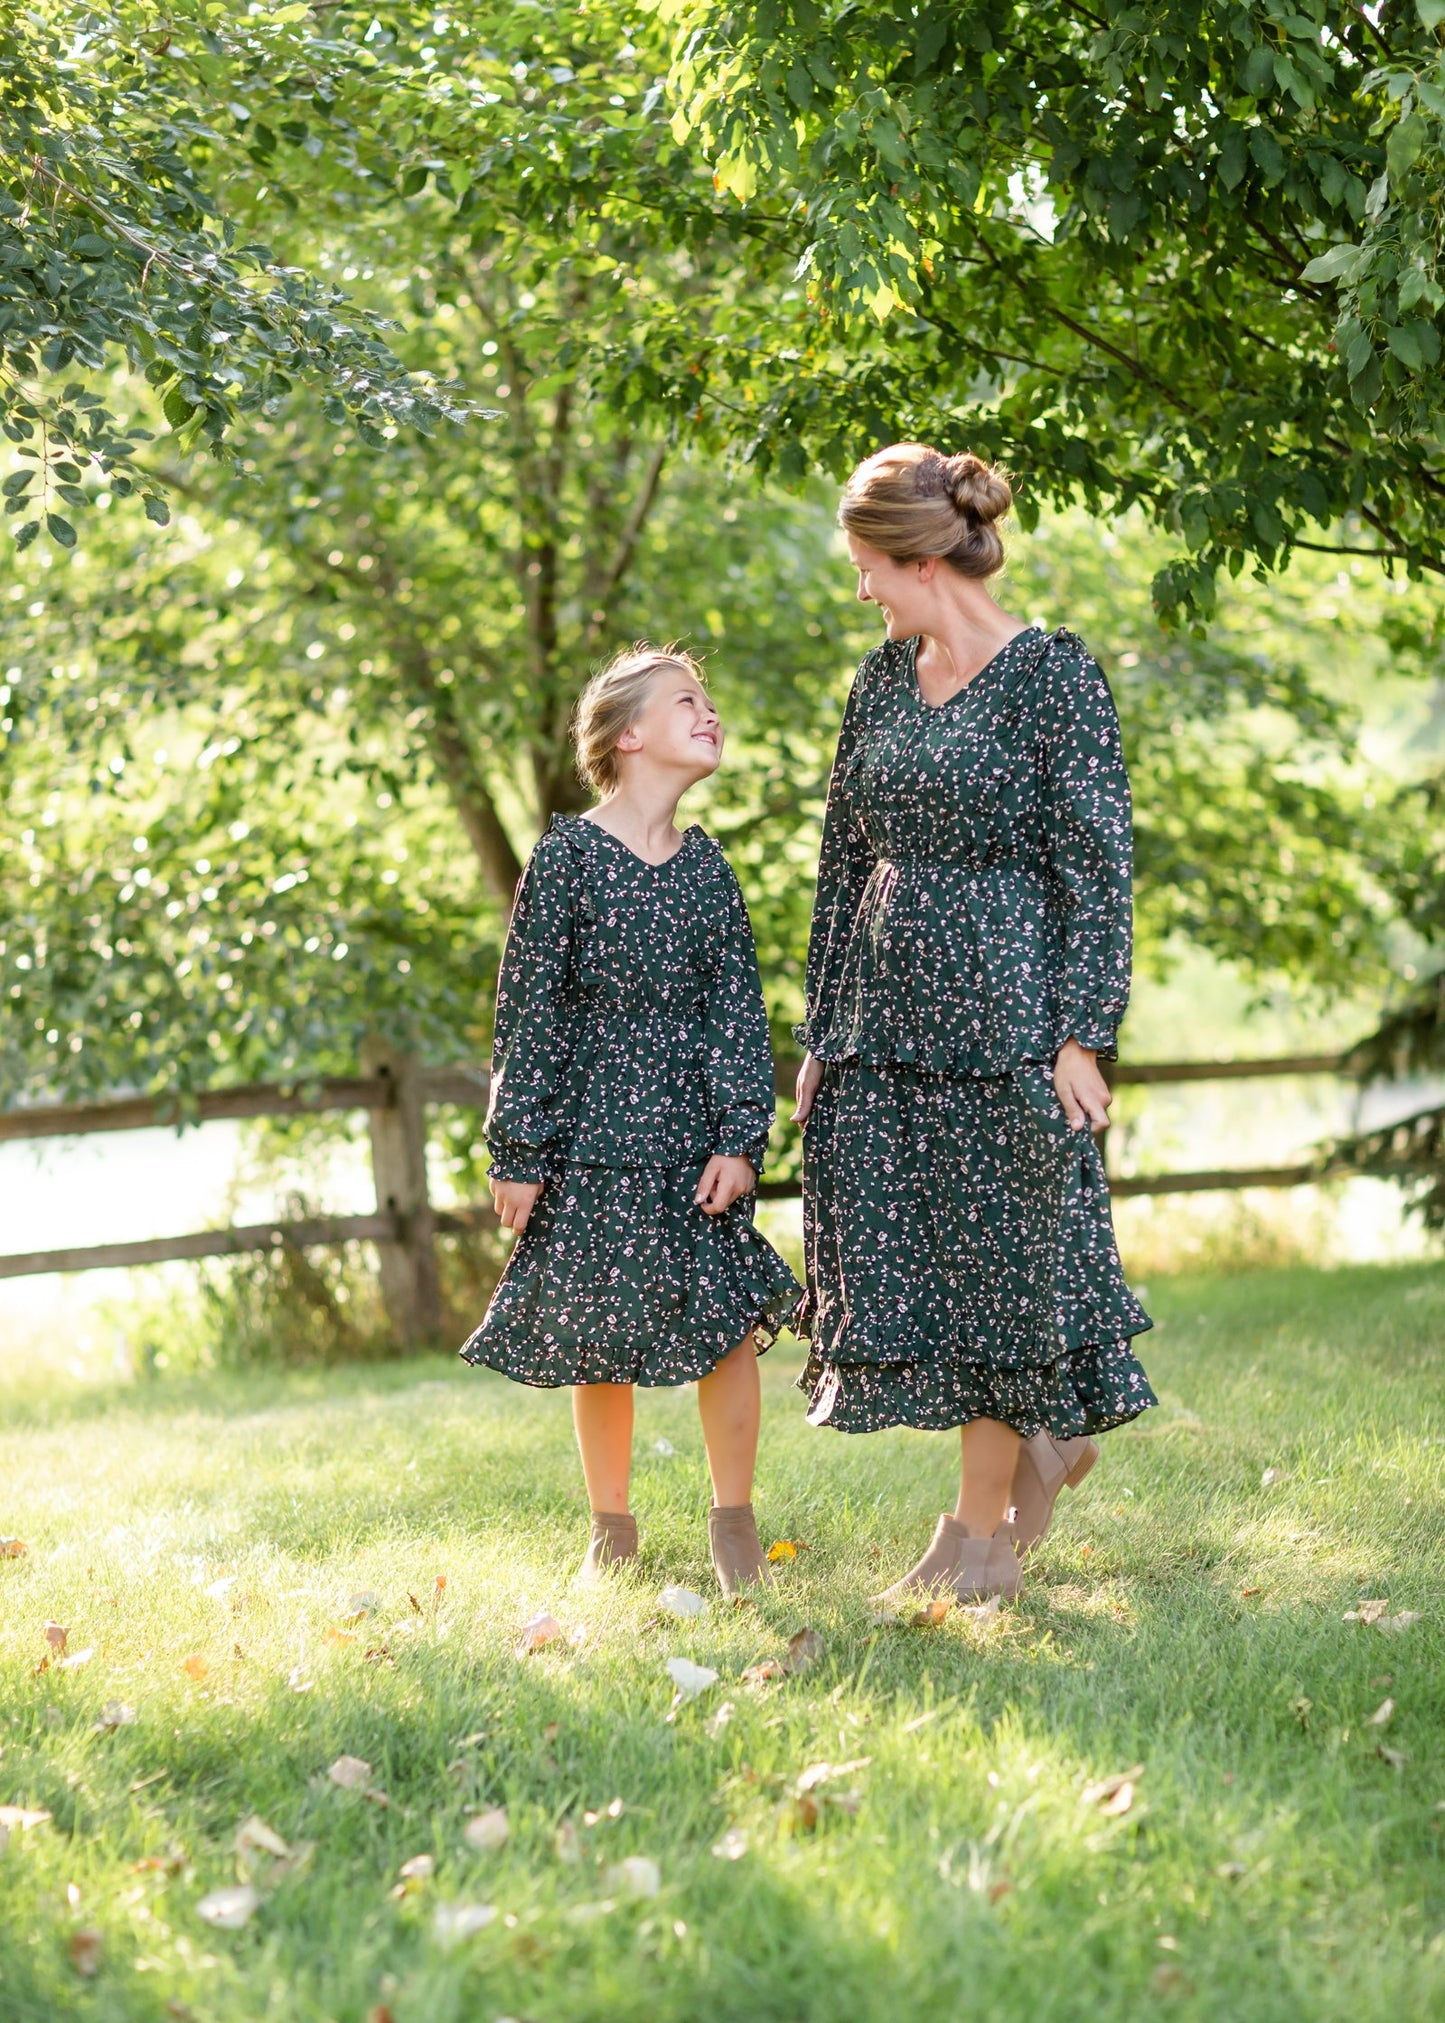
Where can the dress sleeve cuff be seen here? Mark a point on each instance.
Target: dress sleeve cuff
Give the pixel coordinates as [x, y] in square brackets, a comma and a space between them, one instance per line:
[1100, 1035]
[517, 1162]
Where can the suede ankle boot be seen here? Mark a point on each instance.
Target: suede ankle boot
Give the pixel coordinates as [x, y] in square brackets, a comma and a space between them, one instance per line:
[613, 1543]
[934, 1572]
[1044, 1468]
[987, 1566]
[737, 1552]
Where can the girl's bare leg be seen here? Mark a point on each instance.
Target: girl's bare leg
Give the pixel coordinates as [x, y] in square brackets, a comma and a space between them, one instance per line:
[729, 1404]
[602, 1415]
[990, 1454]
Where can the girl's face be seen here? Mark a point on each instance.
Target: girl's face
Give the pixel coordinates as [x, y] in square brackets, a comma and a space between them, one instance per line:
[903, 591]
[677, 728]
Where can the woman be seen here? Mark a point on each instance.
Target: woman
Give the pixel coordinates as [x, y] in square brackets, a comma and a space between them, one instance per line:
[968, 966]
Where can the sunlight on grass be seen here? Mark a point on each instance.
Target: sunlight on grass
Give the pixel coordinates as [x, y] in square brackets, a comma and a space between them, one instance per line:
[273, 1572]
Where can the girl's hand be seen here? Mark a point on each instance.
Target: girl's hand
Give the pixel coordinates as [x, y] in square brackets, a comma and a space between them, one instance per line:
[809, 1076]
[723, 1181]
[1082, 1089]
[515, 1201]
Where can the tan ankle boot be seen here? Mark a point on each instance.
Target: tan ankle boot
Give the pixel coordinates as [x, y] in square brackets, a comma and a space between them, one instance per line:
[737, 1552]
[1044, 1467]
[613, 1543]
[934, 1572]
[987, 1566]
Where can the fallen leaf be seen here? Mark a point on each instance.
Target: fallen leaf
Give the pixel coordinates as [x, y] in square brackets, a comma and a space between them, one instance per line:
[85, 1947]
[1170, 1980]
[733, 1845]
[21, 1818]
[253, 1834]
[416, 1605]
[637, 1876]
[681, 1601]
[115, 1714]
[539, 1631]
[715, 1723]
[1392, 1625]
[439, 1585]
[979, 1613]
[56, 1635]
[297, 1680]
[195, 1667]
[1270, 1477]
[419, 1867]
[488, 1830]
[819, 1773]
[1376, 1612]
[454, 1923]
[805, 1648]
[930, 1615]
[1381, 1715]
[1246, 1592]
[378, 1654]
[219, 1589]
[663, 1447]
[1113, 1795]
[335, 1636]
[786, 1548]
[229, 1909]
[360, 1605]
[764, 1673]
[12, 1548]
[349, 1772]
[689, 1679]
[549, 1734]
[76, 1659]
[999, 1890]
[1231, 1871]
[569, 1843]
[1396, 1758]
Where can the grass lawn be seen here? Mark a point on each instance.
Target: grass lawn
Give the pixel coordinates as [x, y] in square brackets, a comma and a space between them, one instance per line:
[1281, 1857]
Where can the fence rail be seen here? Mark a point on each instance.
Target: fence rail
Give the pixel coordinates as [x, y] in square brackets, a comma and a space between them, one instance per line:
[395, 1090]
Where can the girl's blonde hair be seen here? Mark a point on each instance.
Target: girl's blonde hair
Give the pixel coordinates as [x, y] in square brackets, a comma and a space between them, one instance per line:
[612, 702]
[910, 501]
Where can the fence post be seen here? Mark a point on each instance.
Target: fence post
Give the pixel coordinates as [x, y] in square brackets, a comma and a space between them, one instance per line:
[410, 1287]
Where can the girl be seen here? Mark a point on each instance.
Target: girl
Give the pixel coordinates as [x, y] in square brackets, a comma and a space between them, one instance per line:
[968, 968]
[632, 1096]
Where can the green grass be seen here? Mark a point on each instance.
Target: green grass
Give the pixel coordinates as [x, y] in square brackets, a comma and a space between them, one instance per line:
[1182, 1617]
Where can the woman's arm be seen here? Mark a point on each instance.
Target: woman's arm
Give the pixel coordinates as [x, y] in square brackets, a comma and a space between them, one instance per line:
[845, 863]
[531, 1048]
[1088, 842]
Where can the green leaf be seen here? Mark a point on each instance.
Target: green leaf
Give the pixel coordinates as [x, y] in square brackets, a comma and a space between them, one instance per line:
[1406, 346]
[17, 482]
[177, 409]
[26, 534]
[1258, 72]
[157, 510]
[1403, 148]
[60, 530]
[1431, 12]
[1343, 262]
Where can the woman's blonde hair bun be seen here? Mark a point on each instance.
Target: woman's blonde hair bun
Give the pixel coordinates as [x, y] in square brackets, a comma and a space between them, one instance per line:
[911, 501]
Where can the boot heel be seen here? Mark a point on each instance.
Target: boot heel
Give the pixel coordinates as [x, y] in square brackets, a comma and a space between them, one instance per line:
[1084, 1463]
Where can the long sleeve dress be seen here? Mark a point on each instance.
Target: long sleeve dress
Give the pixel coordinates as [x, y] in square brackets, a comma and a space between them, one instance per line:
[973, 913]
[631, 1044]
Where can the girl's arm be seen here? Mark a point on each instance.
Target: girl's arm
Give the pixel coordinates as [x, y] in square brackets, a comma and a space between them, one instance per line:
[739, 1051]
[1088, 832]
[845, 864]
[531, 1048]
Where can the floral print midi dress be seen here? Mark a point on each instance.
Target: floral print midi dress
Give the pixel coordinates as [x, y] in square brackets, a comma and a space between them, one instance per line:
[631, 1044]
[973, 912]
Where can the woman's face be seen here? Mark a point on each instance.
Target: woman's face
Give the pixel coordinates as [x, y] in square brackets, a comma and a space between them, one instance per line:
[901, 590]
[677, 727]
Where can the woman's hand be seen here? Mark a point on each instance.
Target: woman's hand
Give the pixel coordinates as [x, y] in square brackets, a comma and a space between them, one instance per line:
[809, 1076]
[1082, 1090]
[723, 1181]
[515, 1201]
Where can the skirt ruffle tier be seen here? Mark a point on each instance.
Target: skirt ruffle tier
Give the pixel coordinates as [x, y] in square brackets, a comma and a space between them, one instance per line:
[619, 1278]
[961, 1258]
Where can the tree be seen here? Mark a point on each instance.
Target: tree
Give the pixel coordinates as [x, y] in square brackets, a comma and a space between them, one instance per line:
[1175, 255]
[115, 246]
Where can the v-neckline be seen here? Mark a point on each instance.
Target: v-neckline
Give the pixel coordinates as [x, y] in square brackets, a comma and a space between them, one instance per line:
[646, 863]
[972, 683]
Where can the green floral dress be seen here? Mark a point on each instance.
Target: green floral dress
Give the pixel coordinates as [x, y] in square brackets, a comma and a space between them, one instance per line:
[631, 1044]
[972, 914]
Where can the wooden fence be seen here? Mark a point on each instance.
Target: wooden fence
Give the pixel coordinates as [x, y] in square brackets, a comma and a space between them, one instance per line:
[394, 1089]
